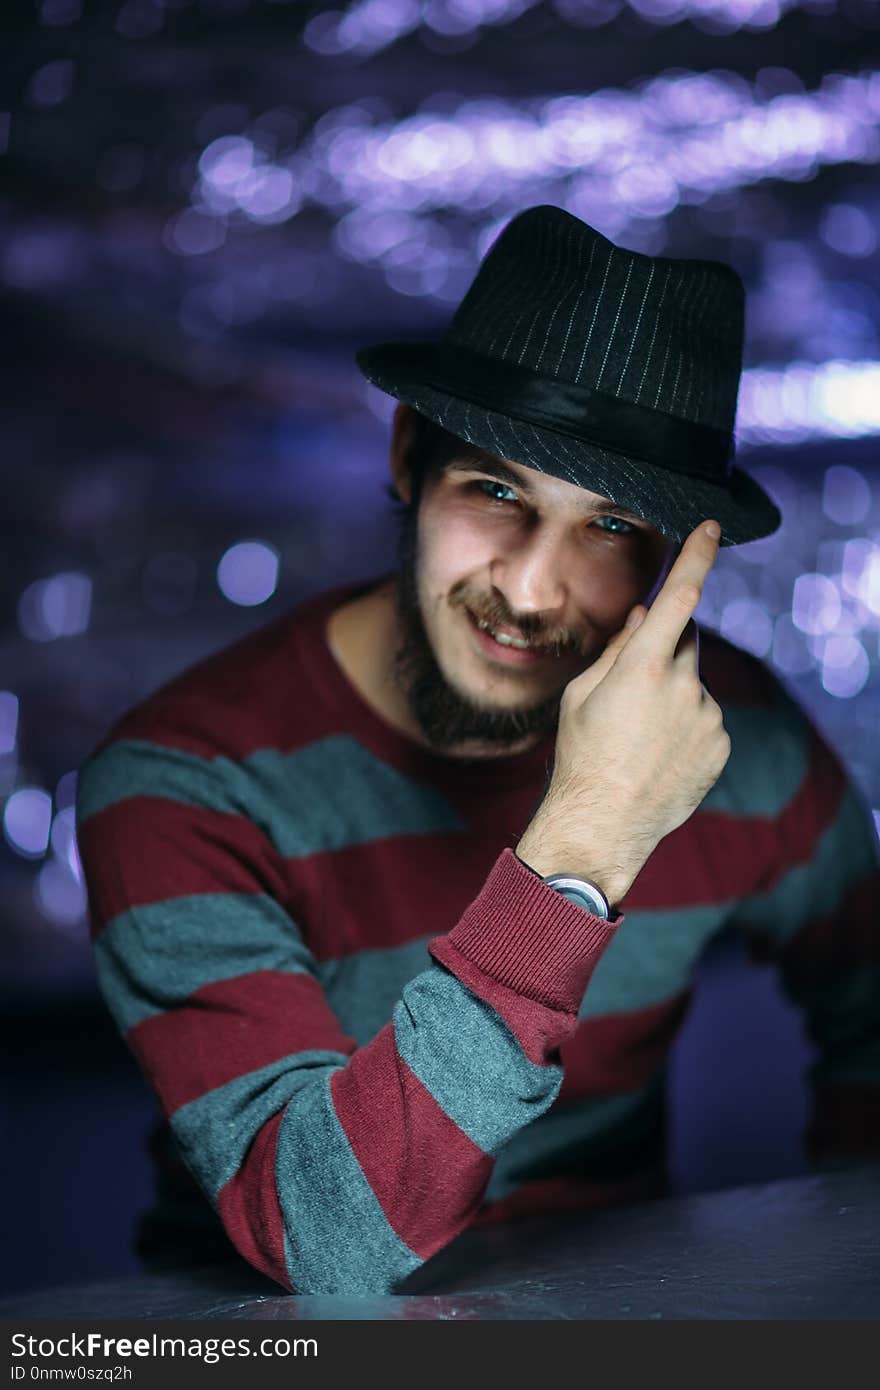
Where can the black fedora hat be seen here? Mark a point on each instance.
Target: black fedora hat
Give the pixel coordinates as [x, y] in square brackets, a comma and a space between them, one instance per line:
[607, 368]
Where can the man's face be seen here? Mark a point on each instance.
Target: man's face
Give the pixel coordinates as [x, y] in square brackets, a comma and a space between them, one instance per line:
[540, 561]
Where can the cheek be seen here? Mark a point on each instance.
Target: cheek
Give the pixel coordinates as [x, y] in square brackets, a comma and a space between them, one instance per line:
[452, 548]
[612, 578]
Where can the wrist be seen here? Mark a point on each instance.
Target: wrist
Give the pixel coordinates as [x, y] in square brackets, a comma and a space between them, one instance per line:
[546, 862]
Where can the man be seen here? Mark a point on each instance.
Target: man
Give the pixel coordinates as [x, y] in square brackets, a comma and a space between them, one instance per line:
[397, 902]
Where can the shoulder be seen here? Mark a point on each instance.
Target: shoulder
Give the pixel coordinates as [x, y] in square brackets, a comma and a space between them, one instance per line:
[734, 676]
[202, 738]
[777, 753]
[257, 692]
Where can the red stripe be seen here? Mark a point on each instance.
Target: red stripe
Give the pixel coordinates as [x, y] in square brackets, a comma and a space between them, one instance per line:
[249, 1208]
[620, 1052]
[572, 1194]
[388, 892]
[170, 850]
[241, 699]
[231, 1028]
[704, 860]
[426, 1173]
[735, 676]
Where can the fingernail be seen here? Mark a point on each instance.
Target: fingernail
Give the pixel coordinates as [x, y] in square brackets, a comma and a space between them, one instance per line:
[634, 618]
[713, 529]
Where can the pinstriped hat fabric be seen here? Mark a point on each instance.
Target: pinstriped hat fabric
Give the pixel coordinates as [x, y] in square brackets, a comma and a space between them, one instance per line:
[609, 369]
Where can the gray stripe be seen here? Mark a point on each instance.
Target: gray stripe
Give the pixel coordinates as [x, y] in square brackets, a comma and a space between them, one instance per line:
[577, 305]
[573, 285]
[654, 334]
[549, 287]
[464, 1054]
[154, 957]
[500, 443]
[337, 1238]
[613, 334]
[689, 288]
[663, 368]
[572, 1131]
[635, 331]
[753, 783]
[700, 308]
[611, 251]
[215, 1131]
[505, 293]
[651, 960]
[846, 854]
[363, 989]
[329, 795]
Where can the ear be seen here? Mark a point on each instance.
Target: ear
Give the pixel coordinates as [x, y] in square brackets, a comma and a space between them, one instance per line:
[399, 457]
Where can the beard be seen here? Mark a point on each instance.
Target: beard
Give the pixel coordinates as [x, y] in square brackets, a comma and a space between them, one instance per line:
[444, 715]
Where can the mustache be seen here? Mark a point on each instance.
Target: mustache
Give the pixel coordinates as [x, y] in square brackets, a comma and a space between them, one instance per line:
[531, 626]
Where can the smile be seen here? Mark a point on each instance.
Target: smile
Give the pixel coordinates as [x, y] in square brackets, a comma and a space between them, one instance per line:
[503, 637]
[503, 647]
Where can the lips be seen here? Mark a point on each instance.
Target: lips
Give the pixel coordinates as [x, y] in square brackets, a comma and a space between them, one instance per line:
[502, 652]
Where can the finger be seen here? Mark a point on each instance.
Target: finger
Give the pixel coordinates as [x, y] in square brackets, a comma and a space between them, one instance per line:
[687, 650]
[588, 679]
[677, 600]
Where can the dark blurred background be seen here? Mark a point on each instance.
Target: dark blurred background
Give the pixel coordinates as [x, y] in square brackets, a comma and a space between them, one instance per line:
[205, 207]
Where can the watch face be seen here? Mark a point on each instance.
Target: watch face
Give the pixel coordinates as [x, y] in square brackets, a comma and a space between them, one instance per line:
[581, 894]
[581, 900]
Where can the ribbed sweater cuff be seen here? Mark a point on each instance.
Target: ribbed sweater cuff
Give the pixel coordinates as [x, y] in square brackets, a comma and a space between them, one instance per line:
[530, 938]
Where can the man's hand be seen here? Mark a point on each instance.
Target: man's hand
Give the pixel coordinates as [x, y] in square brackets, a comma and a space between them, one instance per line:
[640, 740]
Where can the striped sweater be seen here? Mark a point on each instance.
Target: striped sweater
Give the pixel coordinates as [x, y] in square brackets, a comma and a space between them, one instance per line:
[369, 1025]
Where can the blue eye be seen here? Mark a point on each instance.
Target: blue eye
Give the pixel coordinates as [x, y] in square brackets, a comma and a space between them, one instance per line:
[618, 522]
[487, 487]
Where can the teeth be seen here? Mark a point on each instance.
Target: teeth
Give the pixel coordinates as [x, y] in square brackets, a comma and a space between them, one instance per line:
[502, 637]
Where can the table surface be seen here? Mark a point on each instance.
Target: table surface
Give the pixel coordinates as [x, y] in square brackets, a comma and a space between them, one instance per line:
[802, 1248]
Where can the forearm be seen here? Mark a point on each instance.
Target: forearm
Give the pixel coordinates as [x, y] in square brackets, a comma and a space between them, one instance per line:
[342, 1174]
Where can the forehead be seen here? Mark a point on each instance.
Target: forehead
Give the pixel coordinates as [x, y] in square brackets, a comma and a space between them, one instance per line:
[539, 487]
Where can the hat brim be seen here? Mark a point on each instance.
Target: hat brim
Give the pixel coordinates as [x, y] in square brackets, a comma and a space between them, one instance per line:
[672, 502]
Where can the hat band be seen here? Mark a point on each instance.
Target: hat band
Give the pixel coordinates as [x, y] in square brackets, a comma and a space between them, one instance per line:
[682, 446]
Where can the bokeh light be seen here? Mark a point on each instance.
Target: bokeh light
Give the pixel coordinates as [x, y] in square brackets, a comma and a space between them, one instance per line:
[56, 607]
[248, 573]
[27, 820]
[8, 721]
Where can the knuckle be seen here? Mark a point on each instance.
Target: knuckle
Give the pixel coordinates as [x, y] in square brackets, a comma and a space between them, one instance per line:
[714, 712]
[688, 595]
[652, 666]
[689, 688]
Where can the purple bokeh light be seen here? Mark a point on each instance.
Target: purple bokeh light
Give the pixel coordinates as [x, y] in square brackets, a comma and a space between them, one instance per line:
[60, 896]
[845, 667]
[8, 721]
[27, 821]
[248, 573]
[57, 607]
[816, 606]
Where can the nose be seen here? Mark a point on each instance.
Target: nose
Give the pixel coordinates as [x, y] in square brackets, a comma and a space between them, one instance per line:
[529, 573]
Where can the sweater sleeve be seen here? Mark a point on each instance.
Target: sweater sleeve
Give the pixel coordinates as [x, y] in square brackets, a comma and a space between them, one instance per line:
[816, 916]
[334, 1168]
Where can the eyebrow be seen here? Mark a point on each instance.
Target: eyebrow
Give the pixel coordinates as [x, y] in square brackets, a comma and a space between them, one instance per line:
[494, 468]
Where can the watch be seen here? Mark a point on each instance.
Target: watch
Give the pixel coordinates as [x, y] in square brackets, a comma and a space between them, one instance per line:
[581, 892]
